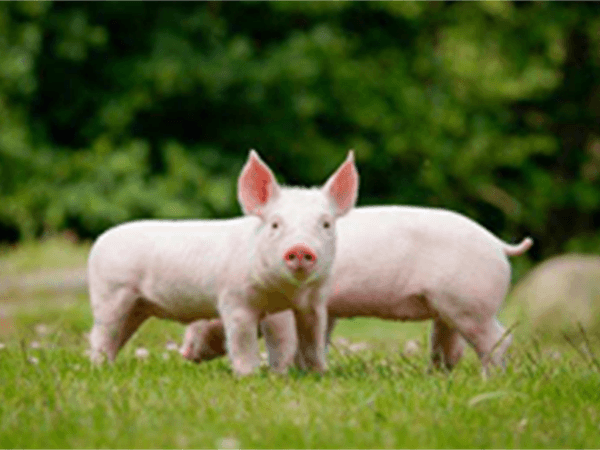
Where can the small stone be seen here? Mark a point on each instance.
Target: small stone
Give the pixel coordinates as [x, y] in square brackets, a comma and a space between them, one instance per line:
[2, 346]
[35, 344]
[33, 360]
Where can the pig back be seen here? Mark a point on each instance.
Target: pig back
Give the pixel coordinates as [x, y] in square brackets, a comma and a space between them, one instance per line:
[389, 255]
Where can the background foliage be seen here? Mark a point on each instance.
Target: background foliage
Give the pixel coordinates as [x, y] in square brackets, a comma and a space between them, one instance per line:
[113, 111]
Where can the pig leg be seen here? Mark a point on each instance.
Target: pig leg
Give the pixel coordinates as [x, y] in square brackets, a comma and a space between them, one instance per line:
[298, 361]
[330, 325]
[241, 333]
[488, 340]
[204, 340]
[115, 321]
[311, 325]
[279, 331]
[447, 345]
[503, 343]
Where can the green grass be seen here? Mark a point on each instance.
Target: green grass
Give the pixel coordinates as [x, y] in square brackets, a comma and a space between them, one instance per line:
[371, 398]
[55, 252]
[52, 396]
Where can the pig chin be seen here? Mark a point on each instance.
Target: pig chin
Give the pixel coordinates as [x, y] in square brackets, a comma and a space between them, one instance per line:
[301, 276]
[300, 273]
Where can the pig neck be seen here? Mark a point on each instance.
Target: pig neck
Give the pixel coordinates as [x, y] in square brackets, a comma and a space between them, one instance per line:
[287, 286]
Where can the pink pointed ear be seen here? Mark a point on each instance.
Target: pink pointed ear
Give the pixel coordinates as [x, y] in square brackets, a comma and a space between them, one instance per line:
[256, 186]
[342, 186]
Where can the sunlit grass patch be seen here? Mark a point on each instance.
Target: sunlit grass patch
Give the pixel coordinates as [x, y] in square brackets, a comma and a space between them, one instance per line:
[56, 252]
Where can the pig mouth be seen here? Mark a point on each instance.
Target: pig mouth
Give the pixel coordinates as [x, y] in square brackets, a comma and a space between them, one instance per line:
[301, 276]
[301, 273]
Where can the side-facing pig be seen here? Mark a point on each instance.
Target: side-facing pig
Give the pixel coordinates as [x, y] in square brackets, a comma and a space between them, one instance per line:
[403, 263]
[239, 269]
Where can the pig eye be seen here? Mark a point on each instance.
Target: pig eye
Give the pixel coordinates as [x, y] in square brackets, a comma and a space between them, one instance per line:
[274, 225]
[326, 222]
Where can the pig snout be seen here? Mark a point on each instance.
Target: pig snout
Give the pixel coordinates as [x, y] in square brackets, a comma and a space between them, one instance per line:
[186, 352]
[300, 258]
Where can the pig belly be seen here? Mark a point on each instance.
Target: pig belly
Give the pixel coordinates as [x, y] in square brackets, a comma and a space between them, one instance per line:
[183, 310]
[385, 306]
[186, 311]
[181, 300]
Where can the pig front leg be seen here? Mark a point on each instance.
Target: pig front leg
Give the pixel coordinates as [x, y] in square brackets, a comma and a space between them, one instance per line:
[330, 325]
[447, 346]
[281, 341]
[118, 313]
[311, 326]
[241, 333]
[298, 361]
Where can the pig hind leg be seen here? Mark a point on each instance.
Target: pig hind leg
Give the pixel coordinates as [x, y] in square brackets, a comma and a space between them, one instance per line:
[447, 345]
[115, 320]
[489, 340]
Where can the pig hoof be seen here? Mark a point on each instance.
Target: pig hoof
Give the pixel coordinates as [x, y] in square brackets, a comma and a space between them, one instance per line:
[97, 358]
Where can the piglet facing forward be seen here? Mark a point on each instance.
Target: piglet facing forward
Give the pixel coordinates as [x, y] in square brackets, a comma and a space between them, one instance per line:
[279, 257]
[404, 263]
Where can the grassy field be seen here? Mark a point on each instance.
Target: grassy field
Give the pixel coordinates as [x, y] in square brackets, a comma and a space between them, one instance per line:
[374, 394]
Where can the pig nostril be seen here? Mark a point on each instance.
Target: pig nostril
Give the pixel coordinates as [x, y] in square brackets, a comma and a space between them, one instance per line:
[291, 257]
[308, 257]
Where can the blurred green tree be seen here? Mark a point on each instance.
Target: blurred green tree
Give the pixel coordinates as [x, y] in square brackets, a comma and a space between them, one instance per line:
[113, 111]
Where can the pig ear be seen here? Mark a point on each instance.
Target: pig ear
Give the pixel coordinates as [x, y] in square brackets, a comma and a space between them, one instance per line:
[256, 186]
[342, 186]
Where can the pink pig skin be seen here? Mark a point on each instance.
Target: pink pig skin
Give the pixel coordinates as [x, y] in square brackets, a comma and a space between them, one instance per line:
[239, 270]
[404, 263]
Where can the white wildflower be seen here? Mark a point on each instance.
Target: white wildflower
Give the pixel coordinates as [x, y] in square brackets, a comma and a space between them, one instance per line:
[171, 346]
[141, 353]
[228, 442]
